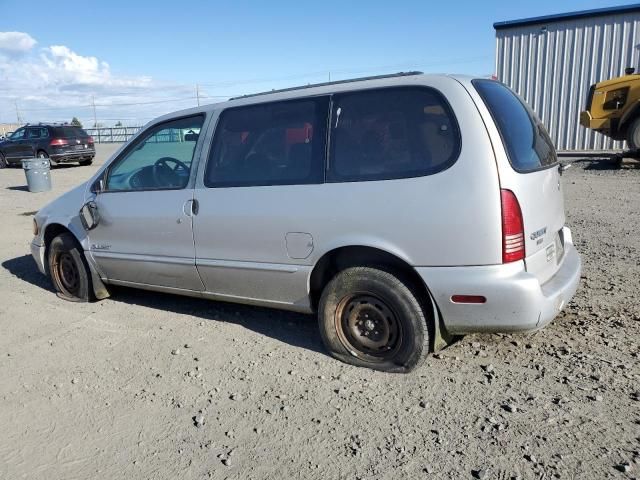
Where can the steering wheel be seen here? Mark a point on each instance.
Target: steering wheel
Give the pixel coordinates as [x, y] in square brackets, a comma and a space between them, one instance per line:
[164, 175]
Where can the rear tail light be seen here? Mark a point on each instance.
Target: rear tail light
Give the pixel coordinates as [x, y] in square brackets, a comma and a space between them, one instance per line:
[512, 228]
[58, 142]
[90, 139]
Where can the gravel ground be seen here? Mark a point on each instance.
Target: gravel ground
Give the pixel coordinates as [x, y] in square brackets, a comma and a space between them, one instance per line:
[146, 385]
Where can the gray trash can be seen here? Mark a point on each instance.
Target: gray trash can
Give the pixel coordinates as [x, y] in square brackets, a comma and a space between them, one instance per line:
[37, 173]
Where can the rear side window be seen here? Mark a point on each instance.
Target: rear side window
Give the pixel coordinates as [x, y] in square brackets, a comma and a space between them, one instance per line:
[527, 142]
[391, 133]
[34, 133]
[280, 143]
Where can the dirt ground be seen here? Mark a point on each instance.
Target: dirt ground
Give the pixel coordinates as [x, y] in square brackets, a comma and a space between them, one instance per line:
[110, 389]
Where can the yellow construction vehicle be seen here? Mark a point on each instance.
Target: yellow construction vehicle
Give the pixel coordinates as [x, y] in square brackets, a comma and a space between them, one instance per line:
[613, 108]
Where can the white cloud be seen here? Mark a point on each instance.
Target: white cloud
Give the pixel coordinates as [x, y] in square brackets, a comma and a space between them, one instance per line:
[56, 83]
[16, 42]
[64, 66]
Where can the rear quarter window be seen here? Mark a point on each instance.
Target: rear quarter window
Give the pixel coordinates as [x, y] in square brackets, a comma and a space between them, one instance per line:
[391, 133]
[525, 138]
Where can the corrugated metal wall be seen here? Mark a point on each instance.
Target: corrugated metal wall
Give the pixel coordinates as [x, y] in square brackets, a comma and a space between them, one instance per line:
[553, 69]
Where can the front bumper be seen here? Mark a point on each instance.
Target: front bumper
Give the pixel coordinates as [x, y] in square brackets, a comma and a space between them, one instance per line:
[37, 252]
[587, 121]
[516, 301]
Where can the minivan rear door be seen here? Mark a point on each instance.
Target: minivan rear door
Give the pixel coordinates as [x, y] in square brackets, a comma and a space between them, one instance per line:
[528, 166]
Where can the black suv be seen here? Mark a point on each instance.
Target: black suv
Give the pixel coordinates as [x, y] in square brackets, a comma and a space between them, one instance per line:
[58, 143]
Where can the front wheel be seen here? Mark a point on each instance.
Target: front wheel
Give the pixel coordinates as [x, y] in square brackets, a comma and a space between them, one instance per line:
[368, 317]
[3, 161]
[633, 134]
[68, 269]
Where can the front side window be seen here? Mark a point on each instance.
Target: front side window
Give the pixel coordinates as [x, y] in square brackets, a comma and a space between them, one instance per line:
[391, 133]
[18, 134]
[280, 143]
[527, 142]
[160, 159]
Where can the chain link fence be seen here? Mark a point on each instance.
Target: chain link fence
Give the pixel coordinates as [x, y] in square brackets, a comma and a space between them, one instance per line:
[112, 134]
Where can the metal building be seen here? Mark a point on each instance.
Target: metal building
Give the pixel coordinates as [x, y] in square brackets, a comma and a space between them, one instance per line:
[553, 60]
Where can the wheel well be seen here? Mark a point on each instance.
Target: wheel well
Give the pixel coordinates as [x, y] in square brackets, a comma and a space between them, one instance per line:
[51, 232]
[628, 120]
[339, 259]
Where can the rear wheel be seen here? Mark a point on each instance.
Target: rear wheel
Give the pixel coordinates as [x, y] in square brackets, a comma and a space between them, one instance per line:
[3, 161]
[371, 318]
[633, 134]
[69, 270]
[42, 154]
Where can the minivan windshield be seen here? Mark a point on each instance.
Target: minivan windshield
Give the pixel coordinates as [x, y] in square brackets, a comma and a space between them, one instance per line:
[528, 144]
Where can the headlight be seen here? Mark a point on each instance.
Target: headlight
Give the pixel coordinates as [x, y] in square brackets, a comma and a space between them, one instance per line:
[615, 99]
[35, 228]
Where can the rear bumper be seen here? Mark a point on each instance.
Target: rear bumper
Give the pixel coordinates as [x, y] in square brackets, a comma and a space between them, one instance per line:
[516, 301]
[73, 156]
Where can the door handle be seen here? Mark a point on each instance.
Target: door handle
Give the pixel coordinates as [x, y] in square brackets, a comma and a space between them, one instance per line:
[190, 208]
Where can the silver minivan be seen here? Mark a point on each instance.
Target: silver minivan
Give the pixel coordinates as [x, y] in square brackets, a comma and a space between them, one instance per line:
[403, 209]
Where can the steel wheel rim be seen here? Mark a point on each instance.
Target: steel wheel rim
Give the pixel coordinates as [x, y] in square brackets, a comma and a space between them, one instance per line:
[67, 274]
[368, 327]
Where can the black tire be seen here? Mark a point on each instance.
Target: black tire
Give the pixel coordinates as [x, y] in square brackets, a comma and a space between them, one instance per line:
[85, 163]
[69, 270]
[3, 161]
[369, 317]
[42, 154]
[633, 134]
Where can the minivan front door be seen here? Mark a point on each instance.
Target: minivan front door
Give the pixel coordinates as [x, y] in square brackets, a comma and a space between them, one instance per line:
[144, 235]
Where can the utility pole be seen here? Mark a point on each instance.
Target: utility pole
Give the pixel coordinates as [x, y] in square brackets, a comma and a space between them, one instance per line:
[198, 94]
[329, 76]
[95, 119]
[17, 112]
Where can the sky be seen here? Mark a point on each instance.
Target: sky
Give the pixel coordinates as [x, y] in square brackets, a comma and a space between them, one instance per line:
[136, 60]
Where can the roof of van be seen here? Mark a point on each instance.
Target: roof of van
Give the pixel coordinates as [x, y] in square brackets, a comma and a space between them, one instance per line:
[378, 81]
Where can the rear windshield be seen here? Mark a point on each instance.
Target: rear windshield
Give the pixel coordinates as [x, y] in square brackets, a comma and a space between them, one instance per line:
[528, 144]
[66, 132]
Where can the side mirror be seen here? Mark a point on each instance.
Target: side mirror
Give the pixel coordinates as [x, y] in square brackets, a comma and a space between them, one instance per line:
[89, 215]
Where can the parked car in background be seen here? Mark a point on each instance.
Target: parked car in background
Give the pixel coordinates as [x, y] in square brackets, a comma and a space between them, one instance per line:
[400, 208]
[56, 142]
[613, 108]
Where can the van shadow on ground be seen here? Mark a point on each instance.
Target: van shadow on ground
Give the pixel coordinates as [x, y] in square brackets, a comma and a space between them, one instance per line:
[292, 328]
[607, 163]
